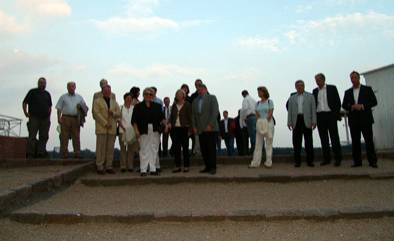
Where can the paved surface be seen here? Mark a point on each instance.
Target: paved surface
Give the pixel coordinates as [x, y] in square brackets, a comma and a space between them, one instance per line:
[14, 177]
[340, 230]
[218, 198]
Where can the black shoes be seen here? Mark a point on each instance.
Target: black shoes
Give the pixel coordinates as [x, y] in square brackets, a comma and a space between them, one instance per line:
[373, 165]
[325, 163]
[337, 163]
[186, 169]
[205, 170]
[212, 172]
[143, 174]
[356, 165]
[156, 173]
[297, 165]
[310, 164]
[176, 170]
[100, 172]
[110, 171]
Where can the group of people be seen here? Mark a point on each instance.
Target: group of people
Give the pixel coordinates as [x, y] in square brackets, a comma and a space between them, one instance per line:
[139, 125]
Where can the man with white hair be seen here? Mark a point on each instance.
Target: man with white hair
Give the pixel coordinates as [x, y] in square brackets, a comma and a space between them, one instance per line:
[67, 116]
[103, 82]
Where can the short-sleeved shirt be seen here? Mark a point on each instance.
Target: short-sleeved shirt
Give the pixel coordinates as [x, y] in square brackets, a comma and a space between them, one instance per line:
[263, 107]
[39, 102]
[67, 104]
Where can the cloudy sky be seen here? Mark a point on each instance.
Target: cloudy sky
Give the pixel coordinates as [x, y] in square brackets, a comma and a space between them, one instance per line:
[230, 44]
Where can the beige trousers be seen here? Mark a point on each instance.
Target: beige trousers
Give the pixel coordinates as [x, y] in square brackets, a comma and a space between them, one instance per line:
[127, 153]
[105, 151]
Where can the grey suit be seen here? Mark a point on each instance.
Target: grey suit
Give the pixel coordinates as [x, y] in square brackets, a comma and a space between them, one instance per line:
[208, 114]
[202, 117]
[309, 109]
[302, 125]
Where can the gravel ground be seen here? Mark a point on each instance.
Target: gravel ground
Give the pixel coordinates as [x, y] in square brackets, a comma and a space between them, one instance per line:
[218, 197]
[14, 177]
[340, 230]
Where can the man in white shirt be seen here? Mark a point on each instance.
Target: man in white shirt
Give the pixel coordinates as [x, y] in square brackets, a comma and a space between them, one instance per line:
[248, 115]
[328, 113]
[67, 115]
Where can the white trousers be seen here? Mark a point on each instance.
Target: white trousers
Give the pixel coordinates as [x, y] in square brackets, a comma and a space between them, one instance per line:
[149, 147]
[257, 154]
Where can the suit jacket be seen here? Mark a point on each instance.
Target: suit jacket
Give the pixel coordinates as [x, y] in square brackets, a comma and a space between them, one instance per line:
[309, 109]
[231, 126]
[367, 98]
[99, 94]
[185, 115]
[334, 102]
[102, 118]
[208, 115]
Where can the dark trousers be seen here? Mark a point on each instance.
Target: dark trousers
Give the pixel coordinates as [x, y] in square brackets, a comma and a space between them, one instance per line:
[180, 142]
[40, 126]
[208, 149]
[299, 131]
[327, 127]
[165, 137]
[355, 130]
[229, 141]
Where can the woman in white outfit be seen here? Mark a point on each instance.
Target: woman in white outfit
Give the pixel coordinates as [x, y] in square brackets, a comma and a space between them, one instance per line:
[147, 119]
[264, 128]
[127, 140]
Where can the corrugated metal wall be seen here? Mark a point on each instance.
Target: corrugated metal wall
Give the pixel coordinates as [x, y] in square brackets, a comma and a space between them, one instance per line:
[382, 82]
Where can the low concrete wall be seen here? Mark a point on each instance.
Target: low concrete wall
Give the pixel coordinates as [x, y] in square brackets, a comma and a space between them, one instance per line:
[12, 147]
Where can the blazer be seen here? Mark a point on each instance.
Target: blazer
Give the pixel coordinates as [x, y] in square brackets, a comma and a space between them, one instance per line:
[99, 94]
[100, 112]
[185, 115]
[309, 109]
[367, 98]
[231, 126]
[333, 99]
[208, 115]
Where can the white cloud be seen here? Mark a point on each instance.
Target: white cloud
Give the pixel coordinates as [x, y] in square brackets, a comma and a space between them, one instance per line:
[329, 28]
[47, 8]
[140, 18]
[304, 8]
[153, 72]
[9, 25]
[134, 25]
[271, 44]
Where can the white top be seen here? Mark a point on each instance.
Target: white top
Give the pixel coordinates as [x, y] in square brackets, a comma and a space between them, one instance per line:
[300, 101]
[167, 112]
[356, 93]
[67, 104]
[322, 101]
[225, 125]
[178, 122]
[127, 113]
[248, 107]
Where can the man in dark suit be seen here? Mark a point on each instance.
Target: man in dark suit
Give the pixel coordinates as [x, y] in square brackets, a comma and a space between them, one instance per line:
[204, 120]
[358, 102]
[227, 129]
[328, 107]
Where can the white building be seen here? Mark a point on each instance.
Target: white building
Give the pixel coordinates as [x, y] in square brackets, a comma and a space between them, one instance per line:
[382, 82]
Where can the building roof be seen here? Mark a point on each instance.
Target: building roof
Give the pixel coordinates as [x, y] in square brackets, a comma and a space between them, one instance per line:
[377, 69]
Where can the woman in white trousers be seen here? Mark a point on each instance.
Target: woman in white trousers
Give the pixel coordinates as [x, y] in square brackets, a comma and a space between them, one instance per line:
[264, 128]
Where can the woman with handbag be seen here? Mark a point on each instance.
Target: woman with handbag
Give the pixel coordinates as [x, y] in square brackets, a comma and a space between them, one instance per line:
[127, 140]
[264, 128]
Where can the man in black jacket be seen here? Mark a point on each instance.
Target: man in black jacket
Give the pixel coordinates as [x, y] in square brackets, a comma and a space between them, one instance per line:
[328, 107]
[358, 102]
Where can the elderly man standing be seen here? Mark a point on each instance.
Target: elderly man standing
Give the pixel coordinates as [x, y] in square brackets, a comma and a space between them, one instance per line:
[204, 120]
[107, 112]
[67, 116]
[301, 119]
[37, 107]
[103, 82]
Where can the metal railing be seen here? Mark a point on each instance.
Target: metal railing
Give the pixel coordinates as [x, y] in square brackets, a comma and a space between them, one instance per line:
[10, 126]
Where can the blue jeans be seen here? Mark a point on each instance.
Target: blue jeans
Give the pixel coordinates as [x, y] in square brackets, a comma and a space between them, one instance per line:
[229, 141]
[251, 125]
